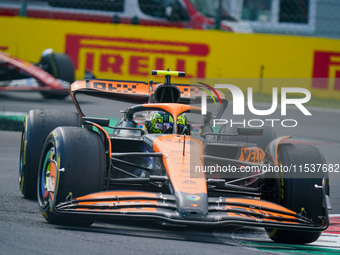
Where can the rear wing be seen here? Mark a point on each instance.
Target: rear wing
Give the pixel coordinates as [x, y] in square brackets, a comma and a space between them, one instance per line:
[132, 91]
[141, 92]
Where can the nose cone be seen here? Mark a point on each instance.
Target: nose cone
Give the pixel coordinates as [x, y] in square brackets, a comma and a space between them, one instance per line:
[192, 206]
[181, 156]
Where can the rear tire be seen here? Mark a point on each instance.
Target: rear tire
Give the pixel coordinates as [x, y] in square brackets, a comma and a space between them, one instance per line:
[37, 125]
[297, 192]
[81, 153]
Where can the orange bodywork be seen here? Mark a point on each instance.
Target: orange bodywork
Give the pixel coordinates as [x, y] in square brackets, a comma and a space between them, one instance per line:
[259, 203]
[112, 194]
[180, 160]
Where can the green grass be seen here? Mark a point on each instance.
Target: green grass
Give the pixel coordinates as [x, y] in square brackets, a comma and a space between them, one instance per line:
[11, 123]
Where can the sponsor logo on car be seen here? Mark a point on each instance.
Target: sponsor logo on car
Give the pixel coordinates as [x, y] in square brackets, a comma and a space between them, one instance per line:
[254, 155]
[189, 182]
[193, 197]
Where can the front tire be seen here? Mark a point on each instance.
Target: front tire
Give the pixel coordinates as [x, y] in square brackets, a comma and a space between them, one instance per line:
[80, 154]
[37, 125]
[298, 193]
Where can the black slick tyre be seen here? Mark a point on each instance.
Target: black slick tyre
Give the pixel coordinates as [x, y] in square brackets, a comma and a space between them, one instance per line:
[80, 155]
[37, 125]
[298, 192]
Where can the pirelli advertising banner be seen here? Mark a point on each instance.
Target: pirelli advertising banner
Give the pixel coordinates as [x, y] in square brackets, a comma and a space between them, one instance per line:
[129, 52]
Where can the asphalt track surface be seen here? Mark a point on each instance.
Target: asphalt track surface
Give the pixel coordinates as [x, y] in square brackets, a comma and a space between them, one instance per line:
[24, 231]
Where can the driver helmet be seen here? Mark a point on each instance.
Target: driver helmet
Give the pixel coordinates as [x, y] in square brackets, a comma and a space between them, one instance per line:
[162, 122]
[182, 124]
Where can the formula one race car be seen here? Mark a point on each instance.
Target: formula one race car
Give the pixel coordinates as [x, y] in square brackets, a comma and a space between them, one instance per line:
[52, 76]
[153, 164]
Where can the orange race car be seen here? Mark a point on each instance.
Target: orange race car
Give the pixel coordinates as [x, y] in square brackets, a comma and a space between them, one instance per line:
[164, 161]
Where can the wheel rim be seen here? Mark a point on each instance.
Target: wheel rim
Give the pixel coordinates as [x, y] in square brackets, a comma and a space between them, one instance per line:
[47, 179]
